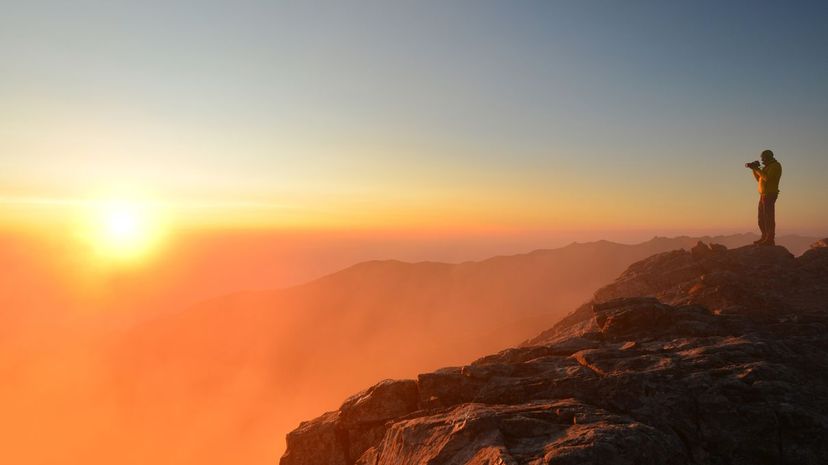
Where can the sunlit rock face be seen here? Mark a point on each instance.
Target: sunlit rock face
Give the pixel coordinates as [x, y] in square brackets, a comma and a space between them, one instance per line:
[708, 356]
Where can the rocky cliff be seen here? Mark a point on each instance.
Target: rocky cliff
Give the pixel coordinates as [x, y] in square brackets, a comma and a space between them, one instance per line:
[708, 356]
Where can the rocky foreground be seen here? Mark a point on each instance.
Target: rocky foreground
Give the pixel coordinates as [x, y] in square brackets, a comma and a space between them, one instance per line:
[711, 356]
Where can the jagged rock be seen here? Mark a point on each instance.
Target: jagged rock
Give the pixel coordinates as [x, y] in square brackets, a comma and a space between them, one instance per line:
[753, 279]
[338, 437]
[822, 243]
[560, 432]
[718, 249]
[319, 441]
[363, 415]
[702, 250]
[387, 399]
[622, 316]
[709, 357]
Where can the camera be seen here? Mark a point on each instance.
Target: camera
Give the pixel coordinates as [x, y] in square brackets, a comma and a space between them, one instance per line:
[752, 165]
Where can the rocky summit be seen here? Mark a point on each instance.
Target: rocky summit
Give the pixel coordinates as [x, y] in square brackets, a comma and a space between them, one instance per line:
[707, 356]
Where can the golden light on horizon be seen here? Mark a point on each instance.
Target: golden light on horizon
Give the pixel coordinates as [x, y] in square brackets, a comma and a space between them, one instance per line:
[123, 230]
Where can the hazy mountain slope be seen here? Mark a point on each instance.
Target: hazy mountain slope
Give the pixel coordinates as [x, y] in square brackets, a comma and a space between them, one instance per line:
[260, 361]
[724, 366]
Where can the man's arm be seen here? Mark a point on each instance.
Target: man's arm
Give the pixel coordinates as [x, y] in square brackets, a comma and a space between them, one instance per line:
[758, 174]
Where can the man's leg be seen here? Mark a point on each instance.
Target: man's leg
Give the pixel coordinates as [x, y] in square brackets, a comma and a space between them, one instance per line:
[761, 211]
[769, 210]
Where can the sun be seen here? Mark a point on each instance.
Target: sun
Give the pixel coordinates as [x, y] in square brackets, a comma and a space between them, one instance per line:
[124, 230]
[123, 224]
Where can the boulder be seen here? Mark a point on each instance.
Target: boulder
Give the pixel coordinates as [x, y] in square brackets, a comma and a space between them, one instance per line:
[386, 399]
[317, 441]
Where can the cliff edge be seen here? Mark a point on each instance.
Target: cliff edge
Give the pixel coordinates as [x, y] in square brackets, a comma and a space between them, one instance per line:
[708, 356]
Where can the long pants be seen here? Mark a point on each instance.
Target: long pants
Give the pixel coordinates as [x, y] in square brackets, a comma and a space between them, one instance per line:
[767, 215]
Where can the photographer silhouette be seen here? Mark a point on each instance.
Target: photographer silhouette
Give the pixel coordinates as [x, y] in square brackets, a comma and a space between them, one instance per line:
[768, 179]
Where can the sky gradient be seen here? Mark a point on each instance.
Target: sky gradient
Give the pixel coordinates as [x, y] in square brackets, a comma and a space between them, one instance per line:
[475, 115]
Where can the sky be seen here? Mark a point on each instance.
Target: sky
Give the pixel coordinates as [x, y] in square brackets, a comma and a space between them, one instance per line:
[414, 115]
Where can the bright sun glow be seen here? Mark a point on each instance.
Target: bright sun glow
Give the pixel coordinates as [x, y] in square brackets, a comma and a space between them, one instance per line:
[124, 230]
[123, 224]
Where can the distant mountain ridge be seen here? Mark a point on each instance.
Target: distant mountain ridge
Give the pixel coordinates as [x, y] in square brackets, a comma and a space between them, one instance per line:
[707, 356]
[345, 330]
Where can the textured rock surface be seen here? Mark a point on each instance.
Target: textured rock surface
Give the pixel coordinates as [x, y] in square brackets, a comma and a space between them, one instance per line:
[712, 356]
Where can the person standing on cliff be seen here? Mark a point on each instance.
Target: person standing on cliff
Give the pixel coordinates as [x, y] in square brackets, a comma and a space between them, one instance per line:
[768, 179]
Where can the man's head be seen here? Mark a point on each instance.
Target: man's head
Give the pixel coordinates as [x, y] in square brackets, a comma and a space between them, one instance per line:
[767, 156]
